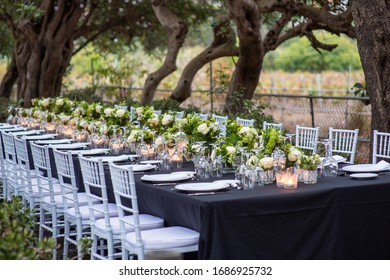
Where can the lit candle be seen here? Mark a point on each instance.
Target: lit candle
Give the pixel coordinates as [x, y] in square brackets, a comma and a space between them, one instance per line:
[291, 181]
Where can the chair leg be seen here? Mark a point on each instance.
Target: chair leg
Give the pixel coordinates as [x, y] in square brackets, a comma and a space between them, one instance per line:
[94, 246]
[42, 221]
[110, 248]
[66, 236]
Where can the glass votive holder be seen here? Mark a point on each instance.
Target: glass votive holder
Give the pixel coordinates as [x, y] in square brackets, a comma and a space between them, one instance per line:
[291, 181]
[310, 176]
[280, 179]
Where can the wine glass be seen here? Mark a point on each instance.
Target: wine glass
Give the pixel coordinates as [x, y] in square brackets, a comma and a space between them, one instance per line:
[290, 137]
[328, 166]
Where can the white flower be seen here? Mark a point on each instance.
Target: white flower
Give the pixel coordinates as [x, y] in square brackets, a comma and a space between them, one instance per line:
[99, 108]
[196, 148]
[76, 112]
[203, 128]
[230, 150]
[59, 102]
[139, 110]
[294, 155]
[45, 102]
[83, 124]
[37, 114]
[159, 141]
[244, 130]
[252, 161]
[108, 112]
[120, 113]
[90, 127]
[267, 163]
[154, 121]
[71, 103]
[166, 119]
[103, 130]
[65, 118]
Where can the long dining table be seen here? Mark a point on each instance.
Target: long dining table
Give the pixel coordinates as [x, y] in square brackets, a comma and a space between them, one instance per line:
[337, 218]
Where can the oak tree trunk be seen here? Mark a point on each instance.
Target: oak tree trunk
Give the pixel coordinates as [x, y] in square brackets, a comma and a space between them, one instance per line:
[246, 75]
[9, 79]
[44, 49]
[177, 31]
[223, 45]
[372, 21]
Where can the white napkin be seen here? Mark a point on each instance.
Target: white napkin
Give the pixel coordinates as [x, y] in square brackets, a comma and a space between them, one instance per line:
[113, 158]
[383, 165]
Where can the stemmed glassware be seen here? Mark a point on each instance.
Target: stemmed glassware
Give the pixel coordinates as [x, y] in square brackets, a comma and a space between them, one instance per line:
[142, 149]
[328, 166]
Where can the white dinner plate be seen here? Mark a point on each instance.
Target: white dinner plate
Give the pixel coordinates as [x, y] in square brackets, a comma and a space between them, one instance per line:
[166, 177]
[202, 187]
[72, 146]
[141, 167]
[364, 168]
[184, 172]
[54, 141]
[91, 152]
[7, 129]
[113, 158]
[363, 176]
[151, 161]
[40, 137]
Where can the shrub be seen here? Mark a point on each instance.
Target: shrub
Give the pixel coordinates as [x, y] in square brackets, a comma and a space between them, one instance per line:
[17, 238]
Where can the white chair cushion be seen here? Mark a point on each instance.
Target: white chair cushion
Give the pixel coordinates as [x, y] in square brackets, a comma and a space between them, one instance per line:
[165, 238]
[35, 189]
[82, 198]
[84, 211]
[146, 222]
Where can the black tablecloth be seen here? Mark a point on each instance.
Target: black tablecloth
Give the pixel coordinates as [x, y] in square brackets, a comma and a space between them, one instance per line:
[338, 218]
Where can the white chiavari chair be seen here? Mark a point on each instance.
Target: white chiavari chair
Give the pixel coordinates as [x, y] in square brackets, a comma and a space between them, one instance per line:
[307, 137]
[380, 146]
[222, 122]
[344, 142]
[277, 126]
[245, 122]
[176, 238]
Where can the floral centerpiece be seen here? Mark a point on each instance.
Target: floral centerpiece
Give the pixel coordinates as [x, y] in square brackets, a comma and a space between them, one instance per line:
[270, 139]
[116, 116]
[143, 114]
[293, 155]
[207, 131]
[308, 165]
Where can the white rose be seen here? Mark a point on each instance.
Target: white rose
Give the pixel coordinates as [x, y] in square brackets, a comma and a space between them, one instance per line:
[159, 141]
[45, 102]
[104, 130]
[37, 114]
[253, 160]
[294, 155]
[267, 163]
[84, 124]
[71, 103]
[120, 113]
[108, 112]
[230, 150]
[59, 102]
[154, 121]
[76, 113]
[166, 119]
[139, 110]
[99, 109]
[244, 130]
[203, 128]
[196, 148]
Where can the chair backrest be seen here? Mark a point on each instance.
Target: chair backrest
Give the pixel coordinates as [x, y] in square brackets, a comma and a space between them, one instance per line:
[123, 107]
[24, 165]
[124, 190]
[43, 170]
[245, 122]
[307, 137]
[67, 178]
[344, 142]
[133, 115]
[10, 164]
[222, 122]
[277, 126]
[203, 117]
[94, 180]
[179, 115]
[2, 167]
[380, 145]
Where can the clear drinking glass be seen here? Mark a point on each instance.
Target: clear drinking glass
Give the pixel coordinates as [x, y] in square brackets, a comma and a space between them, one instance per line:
[328, 166]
